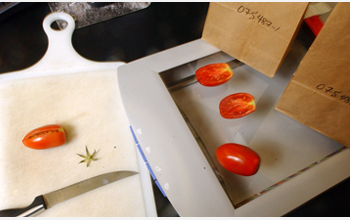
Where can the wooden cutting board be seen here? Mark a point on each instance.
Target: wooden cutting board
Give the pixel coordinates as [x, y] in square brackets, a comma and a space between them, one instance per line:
[82, 96]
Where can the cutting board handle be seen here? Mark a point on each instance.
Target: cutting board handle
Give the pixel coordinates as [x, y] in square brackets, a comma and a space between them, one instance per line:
[60, 53]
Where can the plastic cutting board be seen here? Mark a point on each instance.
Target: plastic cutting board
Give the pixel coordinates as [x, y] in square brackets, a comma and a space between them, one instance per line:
[83, 96]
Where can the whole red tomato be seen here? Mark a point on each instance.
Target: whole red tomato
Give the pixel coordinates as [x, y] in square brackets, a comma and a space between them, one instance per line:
[238, 159]
[45, 137]
[214, 74]
[237, 105]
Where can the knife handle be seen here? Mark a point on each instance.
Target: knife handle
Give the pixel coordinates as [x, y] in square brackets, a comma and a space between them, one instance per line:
[37, 206]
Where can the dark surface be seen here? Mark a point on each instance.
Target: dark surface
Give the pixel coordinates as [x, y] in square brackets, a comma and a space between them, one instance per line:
[127, 38]
[332, 203]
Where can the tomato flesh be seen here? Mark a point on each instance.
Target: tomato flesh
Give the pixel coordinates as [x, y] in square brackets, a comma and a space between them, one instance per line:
[45, 137]
[214, 74]
[238, 159]
[237, 105]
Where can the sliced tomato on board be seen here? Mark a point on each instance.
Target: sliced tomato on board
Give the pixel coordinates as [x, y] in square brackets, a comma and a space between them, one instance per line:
[45, 137]
[214, 74]
[237, 105]
[238, 159]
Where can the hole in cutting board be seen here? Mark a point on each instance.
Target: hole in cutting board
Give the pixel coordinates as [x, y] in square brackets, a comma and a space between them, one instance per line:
[55, 27]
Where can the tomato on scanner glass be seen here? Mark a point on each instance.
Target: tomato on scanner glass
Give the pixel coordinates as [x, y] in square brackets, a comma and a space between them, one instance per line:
[238, 159]
[45, 137]
[214, 74]
[237, 105]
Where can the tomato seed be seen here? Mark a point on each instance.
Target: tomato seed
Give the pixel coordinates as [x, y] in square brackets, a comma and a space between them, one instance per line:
[43, 133]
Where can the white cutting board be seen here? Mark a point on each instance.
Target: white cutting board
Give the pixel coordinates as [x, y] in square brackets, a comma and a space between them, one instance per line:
[82, 96]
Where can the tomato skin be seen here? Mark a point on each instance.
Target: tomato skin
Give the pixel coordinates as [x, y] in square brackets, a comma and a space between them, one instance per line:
[214, 74]
[238, 159]
[44, 137]
[237, 105]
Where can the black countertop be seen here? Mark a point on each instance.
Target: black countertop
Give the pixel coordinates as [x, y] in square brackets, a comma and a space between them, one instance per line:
[127, 38]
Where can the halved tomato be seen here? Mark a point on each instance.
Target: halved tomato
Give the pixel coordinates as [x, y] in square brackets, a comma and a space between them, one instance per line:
[237, 105]
[45, 137]
[214, 74]
[238, 159]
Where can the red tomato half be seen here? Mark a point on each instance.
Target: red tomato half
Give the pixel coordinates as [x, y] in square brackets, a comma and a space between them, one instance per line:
[45, 137]
[238, 159]
[214, 74]
[237, 105]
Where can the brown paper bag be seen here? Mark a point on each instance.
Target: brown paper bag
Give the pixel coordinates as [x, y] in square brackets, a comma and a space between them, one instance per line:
[319, 93]
[257, 33]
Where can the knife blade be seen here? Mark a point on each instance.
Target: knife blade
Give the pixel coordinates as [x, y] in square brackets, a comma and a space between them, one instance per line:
[48, 200]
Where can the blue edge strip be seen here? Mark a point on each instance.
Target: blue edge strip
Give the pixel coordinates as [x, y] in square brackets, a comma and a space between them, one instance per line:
[146, 162]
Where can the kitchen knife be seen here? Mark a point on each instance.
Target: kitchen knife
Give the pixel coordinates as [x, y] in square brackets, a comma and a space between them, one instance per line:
[46, 201]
